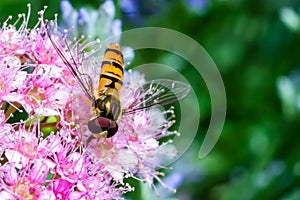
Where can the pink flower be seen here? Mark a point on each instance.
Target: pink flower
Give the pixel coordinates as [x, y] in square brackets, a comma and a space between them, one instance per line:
[26, 183]
[45, 143]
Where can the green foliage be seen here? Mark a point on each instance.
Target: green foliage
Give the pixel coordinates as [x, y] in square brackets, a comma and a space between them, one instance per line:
[257, 155]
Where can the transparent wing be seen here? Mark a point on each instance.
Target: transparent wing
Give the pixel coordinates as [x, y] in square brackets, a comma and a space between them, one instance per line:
[158, 92]
[72, 54]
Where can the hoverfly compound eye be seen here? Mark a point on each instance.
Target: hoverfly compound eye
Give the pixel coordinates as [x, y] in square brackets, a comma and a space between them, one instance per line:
[102, 124]
[112, 129]
[94, 126]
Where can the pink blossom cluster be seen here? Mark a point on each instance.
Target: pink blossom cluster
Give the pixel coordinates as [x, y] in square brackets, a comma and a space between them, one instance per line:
[44, 154]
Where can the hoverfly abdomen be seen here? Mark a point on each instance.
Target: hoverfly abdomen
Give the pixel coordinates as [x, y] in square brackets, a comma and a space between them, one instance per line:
[111, 75]
[102, 125]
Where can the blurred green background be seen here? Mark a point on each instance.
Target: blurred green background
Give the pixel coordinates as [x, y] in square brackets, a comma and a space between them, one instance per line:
[255, 45]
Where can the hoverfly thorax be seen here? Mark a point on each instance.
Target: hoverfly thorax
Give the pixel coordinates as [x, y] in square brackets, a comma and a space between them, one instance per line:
[108, 106]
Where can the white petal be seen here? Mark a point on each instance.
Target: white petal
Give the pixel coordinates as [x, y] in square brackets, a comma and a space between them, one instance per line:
[16, 157]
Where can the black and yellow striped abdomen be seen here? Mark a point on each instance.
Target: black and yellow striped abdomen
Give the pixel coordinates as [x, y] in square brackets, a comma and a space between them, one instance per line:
[110, 83]
[111, 75]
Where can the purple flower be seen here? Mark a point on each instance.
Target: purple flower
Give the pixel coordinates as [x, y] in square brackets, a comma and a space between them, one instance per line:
[98, 23]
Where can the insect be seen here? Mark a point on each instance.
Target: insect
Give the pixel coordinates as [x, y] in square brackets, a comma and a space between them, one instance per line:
[106, 103]
[108, 106]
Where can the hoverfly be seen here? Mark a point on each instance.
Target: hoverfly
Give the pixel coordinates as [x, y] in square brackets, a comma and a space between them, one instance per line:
[106, 102]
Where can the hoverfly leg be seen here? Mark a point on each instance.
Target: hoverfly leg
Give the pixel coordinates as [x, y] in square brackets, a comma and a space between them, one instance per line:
[80, 115]
[90, 138]
[99, 136]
